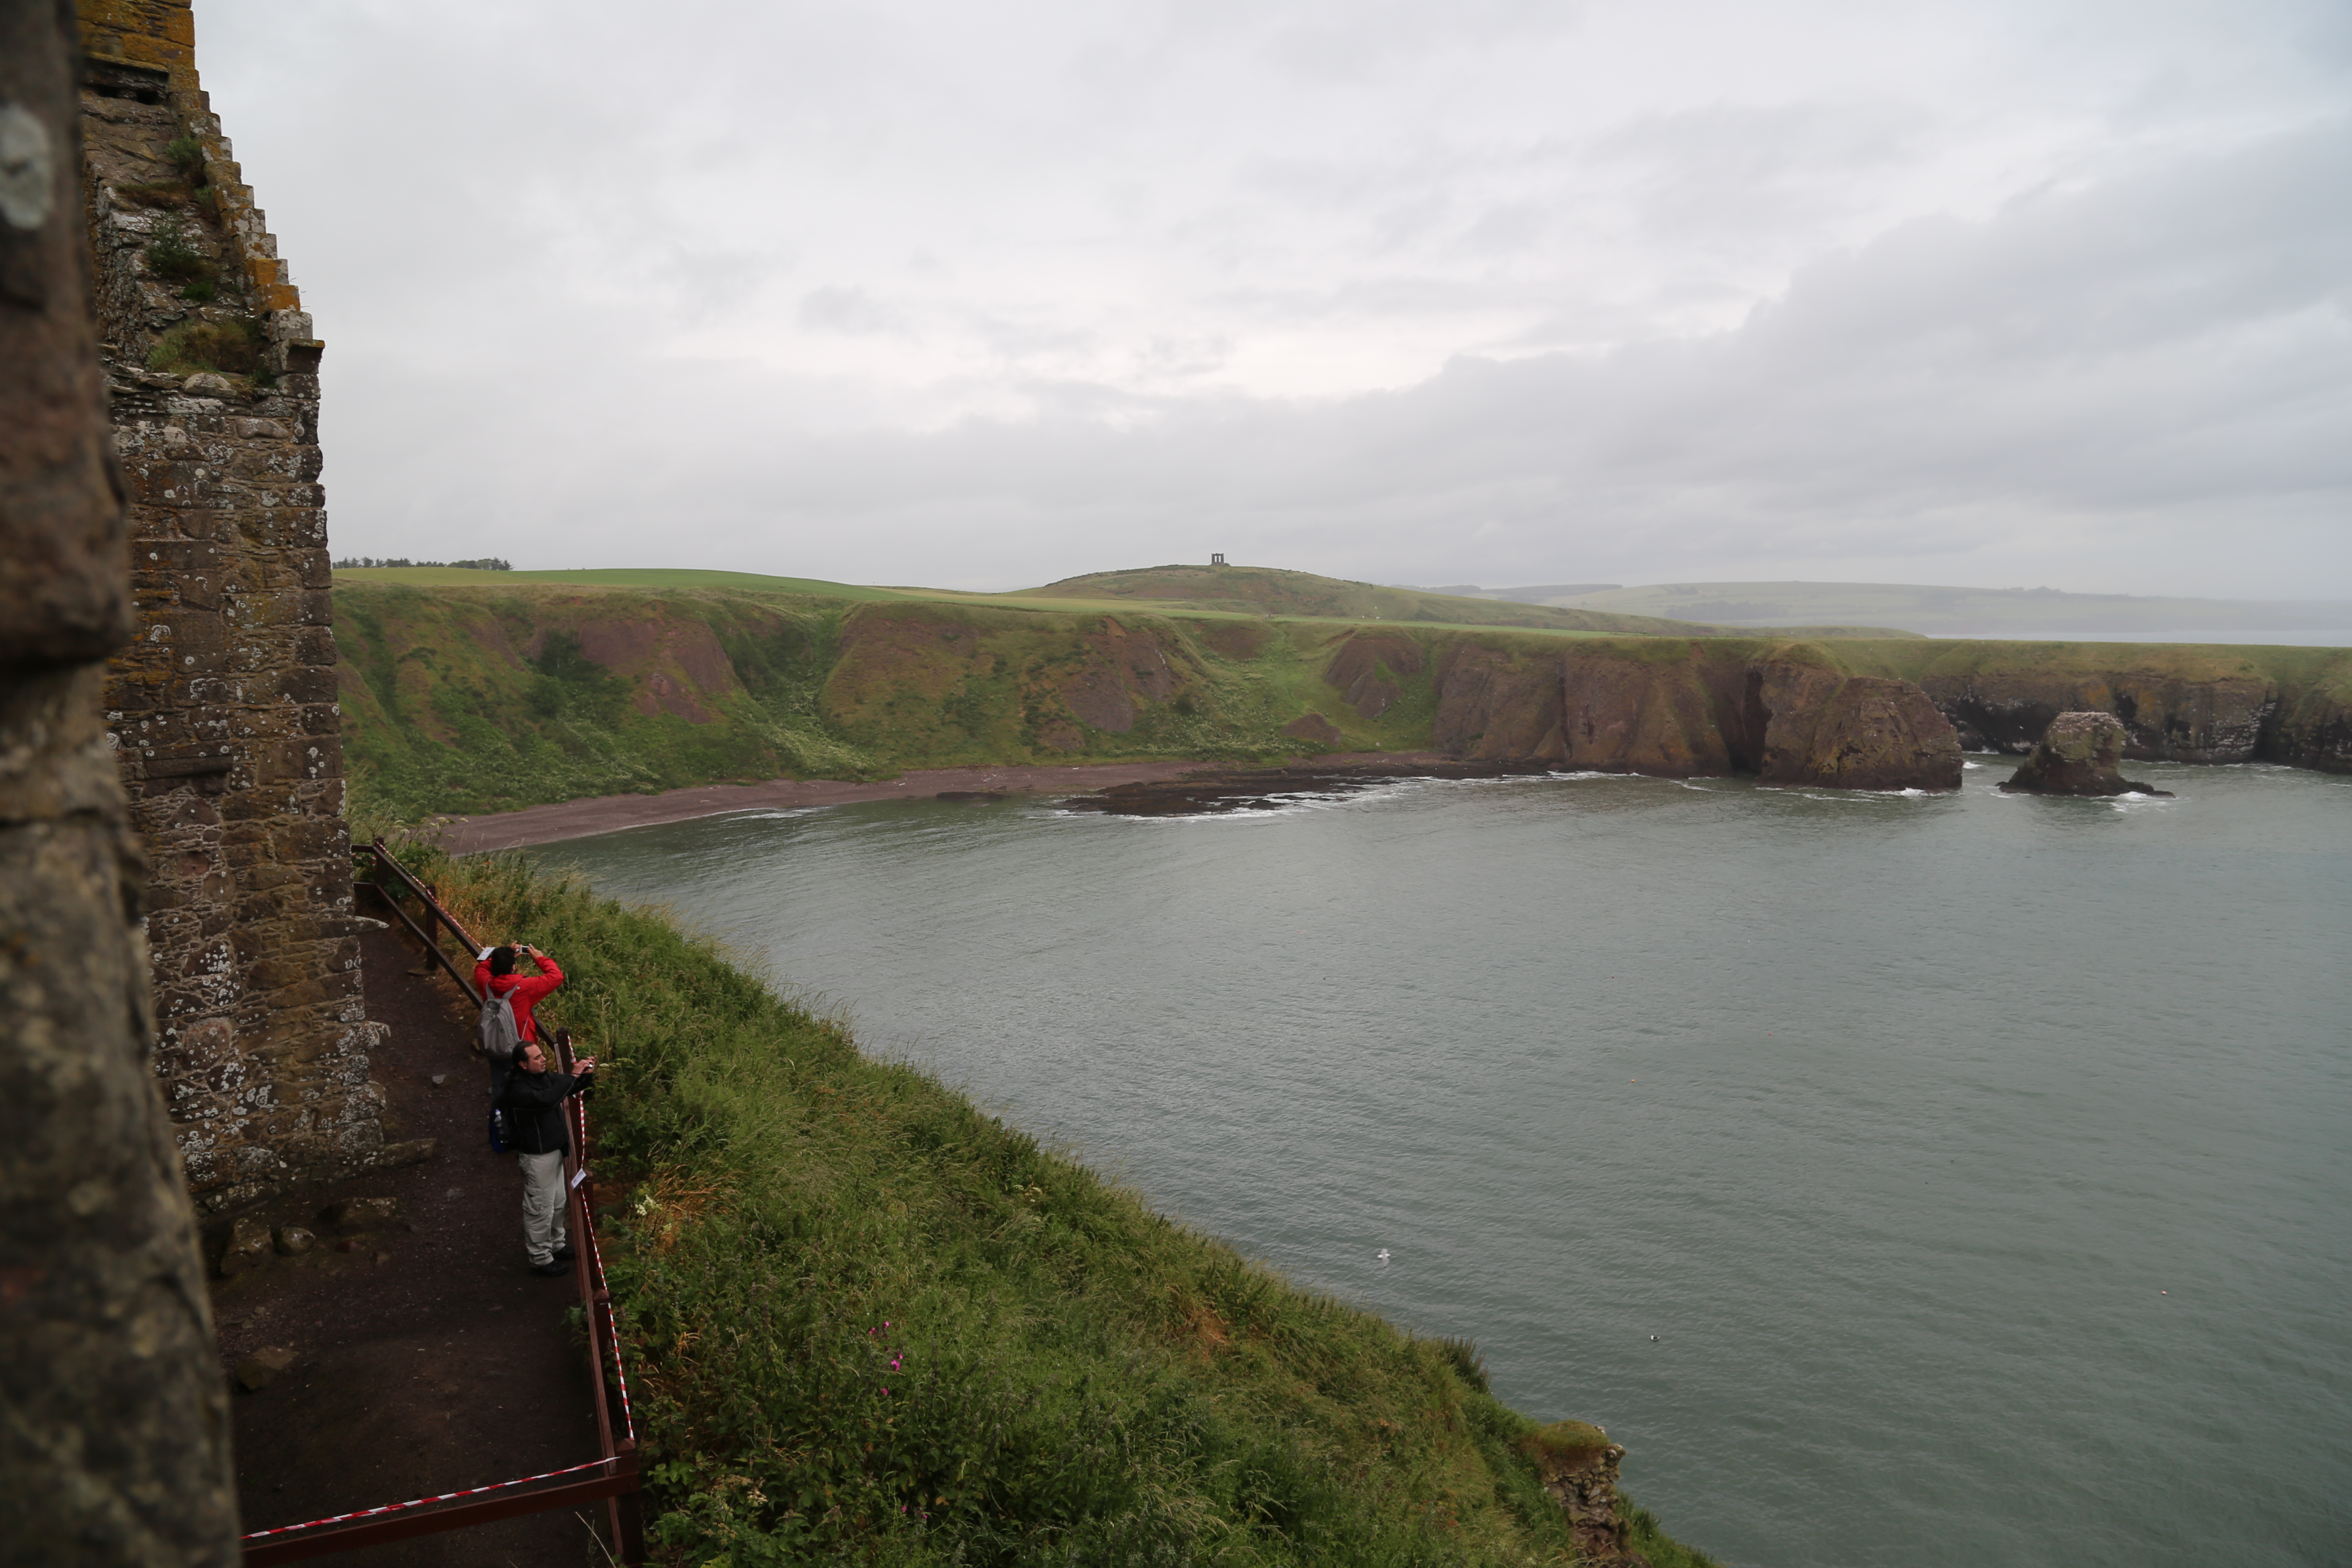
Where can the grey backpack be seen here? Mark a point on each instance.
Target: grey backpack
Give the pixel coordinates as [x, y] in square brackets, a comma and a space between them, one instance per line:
[499, 1038]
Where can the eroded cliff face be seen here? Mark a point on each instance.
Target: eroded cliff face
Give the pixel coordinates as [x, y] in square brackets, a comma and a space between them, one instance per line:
[1016, 683]
[1624, 713]
[1371, 667]
[1498, 701]
[1852, 732]
[2312, 729]
[2165, 718]
[1692, 709]
[2177, 702]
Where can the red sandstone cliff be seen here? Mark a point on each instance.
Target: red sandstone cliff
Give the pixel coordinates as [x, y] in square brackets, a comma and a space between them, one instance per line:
[1680, 709]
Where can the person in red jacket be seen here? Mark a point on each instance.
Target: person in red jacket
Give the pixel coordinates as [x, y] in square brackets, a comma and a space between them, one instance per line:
[494, 973]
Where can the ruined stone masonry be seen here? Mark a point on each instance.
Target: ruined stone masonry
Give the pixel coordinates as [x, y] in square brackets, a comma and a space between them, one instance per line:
[224, 714]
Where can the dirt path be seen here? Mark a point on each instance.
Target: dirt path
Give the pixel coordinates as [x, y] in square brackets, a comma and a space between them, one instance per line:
[430, 1358]
[604, 813]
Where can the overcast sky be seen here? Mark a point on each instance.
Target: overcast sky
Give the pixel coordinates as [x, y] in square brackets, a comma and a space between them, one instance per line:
[1505, 291]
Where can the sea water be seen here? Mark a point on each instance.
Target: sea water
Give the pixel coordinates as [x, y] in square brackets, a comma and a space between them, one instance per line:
[1902, 1179]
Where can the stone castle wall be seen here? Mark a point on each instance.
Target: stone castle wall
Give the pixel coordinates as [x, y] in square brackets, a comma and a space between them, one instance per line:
[223, 714]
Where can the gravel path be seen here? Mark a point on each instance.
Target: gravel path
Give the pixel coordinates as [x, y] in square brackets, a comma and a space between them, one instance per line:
[430, 1358]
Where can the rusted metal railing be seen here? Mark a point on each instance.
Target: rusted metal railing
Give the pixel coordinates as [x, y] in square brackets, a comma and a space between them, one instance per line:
[389, 880]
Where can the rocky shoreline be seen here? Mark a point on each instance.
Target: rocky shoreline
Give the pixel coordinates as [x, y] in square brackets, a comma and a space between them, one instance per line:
[611, 812]
[1209, 790]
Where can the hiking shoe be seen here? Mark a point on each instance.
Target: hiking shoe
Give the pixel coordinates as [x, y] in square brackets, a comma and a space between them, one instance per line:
[550, 1266]
[564, 1254]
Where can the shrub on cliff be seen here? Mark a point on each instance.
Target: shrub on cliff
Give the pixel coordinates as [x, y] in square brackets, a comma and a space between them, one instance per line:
[172, 254]
[231, 347]
[868, 1322]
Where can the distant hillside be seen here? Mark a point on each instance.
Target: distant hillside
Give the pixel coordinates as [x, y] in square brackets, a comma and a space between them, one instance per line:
[1270, 591]
[610, 577]
[1227, 590]
[1534, 593]
[1939, 612]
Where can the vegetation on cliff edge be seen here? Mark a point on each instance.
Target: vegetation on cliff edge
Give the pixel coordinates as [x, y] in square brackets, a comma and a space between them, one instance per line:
[511, 692]
[489, 699]
[867, 1323]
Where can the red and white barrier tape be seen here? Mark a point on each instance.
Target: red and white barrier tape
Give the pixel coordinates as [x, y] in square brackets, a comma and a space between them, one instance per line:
[596, 1266]
[613, 1326]
[421, 1501]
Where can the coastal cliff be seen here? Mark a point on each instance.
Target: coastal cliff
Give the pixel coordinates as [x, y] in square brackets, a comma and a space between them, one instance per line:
[475, 700]
[1685, 708]
[2177, 702]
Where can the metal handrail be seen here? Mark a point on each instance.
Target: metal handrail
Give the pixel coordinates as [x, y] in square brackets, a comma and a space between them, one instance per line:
[434, 913]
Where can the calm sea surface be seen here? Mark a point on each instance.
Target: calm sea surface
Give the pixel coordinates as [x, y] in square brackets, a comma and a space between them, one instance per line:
[1917, 1181]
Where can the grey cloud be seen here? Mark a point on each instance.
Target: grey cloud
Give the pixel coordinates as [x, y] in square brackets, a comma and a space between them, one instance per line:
[2090, 381]
[521, 251]
[1727, 172]
[851, 311]
[2166, 353]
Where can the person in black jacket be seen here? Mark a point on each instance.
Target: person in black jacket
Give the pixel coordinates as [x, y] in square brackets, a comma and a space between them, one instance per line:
[536, 1131]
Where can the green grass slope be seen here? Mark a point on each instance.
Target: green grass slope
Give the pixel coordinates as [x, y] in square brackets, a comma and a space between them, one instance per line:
[868, 1323]
[462, 700]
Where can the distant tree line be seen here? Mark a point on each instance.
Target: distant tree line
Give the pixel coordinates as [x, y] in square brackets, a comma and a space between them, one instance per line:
[486, 563]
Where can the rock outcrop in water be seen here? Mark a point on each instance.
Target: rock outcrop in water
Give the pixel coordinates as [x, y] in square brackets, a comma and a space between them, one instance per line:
[2079, 755]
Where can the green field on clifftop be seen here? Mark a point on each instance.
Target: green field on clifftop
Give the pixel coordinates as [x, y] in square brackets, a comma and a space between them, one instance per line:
[1270, 591]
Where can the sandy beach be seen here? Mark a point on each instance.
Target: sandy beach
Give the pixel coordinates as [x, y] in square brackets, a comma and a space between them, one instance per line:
[607, 813]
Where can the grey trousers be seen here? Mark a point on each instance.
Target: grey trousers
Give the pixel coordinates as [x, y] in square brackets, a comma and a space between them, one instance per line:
[542, 1204]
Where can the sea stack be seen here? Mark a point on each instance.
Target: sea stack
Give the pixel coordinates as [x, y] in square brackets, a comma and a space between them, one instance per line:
[2079, 755]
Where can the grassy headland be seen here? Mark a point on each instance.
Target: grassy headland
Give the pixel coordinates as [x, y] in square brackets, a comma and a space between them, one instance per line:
[1270, 591]
[867, 1323]
[473, 692]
